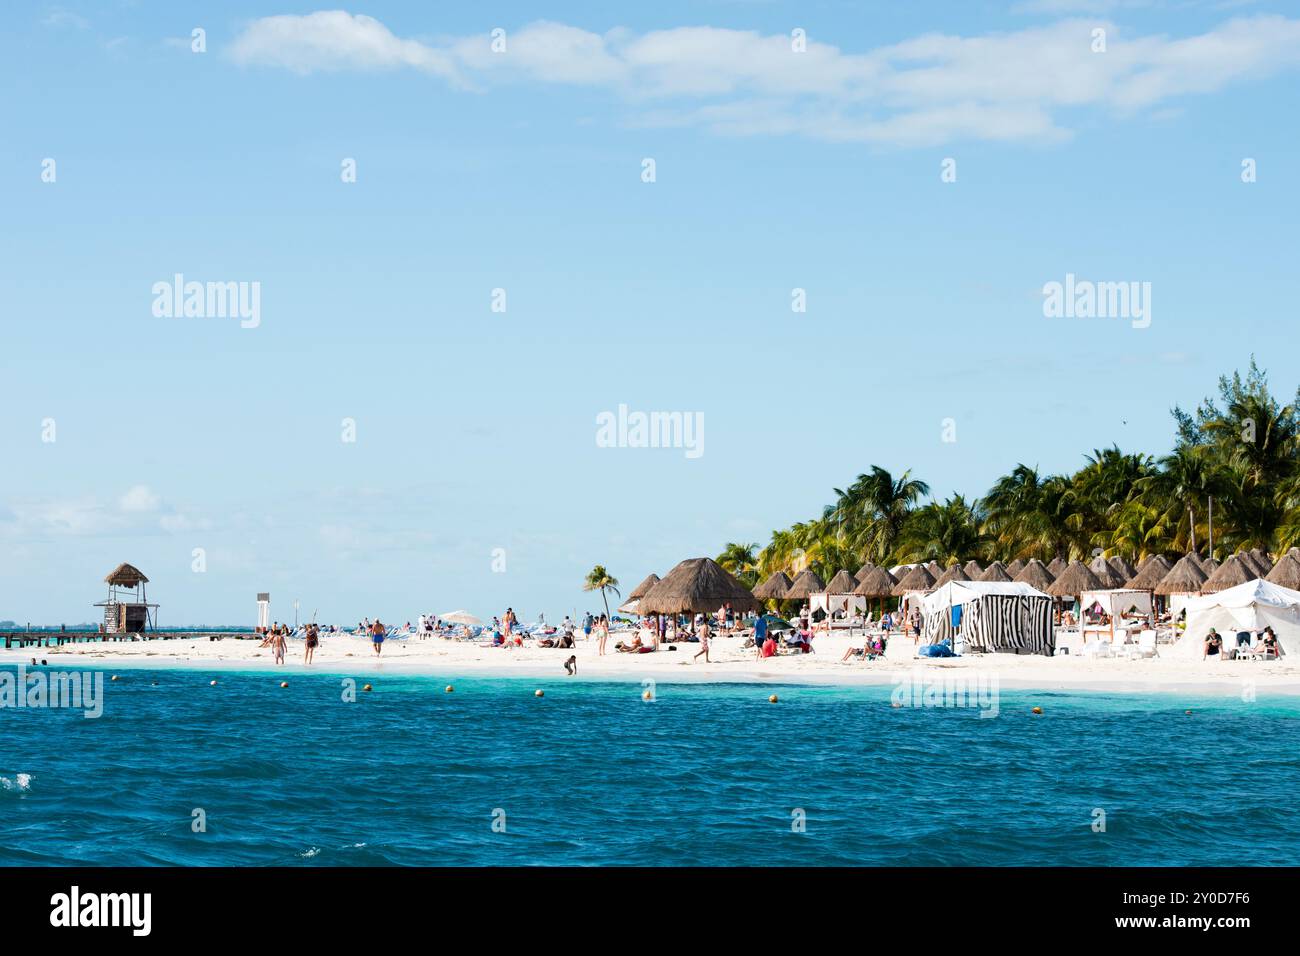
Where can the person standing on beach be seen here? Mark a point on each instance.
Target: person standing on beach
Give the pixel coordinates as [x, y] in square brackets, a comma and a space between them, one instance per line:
[586, 626]
[703, 633]
[602, 634]
[377, 635]
[312, 640]
[760, 635]
[509, 622]
[277, 645]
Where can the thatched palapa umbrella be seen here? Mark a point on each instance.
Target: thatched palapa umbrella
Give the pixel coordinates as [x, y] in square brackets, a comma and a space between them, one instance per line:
[1107, 575]
[1257, 568]
[954, 573]
[973, 569]
[842, 583]
[874, 582]
[805, 586]
[633, 603]
[994, 572]
[697, 585]
[1074, 580]
[1286, 573]
[1016, 566]
[1036, 575]
[1123, 570]
[1185, 577]
[775, 588]
[918, 579]
[1058, 566]
[1151, 573]
[1234, 571]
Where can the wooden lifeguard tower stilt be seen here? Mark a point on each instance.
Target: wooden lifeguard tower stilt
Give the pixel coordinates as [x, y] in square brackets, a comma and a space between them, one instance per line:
[127, 613]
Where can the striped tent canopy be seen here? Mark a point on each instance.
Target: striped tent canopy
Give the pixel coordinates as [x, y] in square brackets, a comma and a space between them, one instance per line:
[1035, 574]
[918, 579]
[994, 572]
[1107, 575]
[994, 617]
[805, 586]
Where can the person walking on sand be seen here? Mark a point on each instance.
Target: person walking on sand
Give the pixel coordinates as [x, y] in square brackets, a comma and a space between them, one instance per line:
[586, 626]
[602, 634]
[377, 635]
[703, 633]
[277, 645]
[313, 639]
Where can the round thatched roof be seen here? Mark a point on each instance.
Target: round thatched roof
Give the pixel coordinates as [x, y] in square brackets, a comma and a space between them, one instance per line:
[842, 583]
[1035, 574]
[125, 576]
[933, 567]
[874, 582]
[1074, 580]
[776, 586]
[1151, 573]
[1234, 571]
[1058, 565]
[918, 579]
[1016, 566]
[1200, 562]
[640, 590]
[994, 572]
[1286, 572]
[1185, 577]
[1258, 568]
[696, 584]
[1107, 575]
[805, 586]
[954, 573]
[1122, 568]
[1263, 559]
[973, 569]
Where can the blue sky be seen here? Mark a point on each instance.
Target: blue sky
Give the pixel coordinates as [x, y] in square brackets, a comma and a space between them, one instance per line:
[475, 430]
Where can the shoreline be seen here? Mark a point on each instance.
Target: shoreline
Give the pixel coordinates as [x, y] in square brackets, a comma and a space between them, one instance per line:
[440, 658]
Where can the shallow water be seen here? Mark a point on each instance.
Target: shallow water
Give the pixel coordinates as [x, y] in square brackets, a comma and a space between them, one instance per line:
[592, 774]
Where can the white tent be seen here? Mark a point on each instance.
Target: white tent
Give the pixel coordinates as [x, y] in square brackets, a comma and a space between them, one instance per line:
[1117, 602]
[1251, 606]
[835, 602]
[995, 616]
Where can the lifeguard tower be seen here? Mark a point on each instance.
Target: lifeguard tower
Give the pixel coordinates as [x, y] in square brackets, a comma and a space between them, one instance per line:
[127, 613]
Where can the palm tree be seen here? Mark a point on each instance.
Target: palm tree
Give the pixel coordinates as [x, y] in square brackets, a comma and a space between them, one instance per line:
[874, 509]
[598, 579]
[1186, 478]
[945, 532]
[739, 560]
[1027, 515]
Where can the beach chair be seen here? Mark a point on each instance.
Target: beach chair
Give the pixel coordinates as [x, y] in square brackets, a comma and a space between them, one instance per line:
[1145, 646]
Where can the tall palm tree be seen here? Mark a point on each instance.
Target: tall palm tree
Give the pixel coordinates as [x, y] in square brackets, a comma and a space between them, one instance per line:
[1186, 480]
[1026, 515]
[874, 509]
[739, 560]
[598, 579]
[944, 532]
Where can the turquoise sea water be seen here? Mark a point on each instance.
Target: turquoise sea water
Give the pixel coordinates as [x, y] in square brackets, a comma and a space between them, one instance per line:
[592, 774]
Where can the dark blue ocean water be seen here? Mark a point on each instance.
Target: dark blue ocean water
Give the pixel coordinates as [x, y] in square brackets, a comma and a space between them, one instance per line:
[591, 774]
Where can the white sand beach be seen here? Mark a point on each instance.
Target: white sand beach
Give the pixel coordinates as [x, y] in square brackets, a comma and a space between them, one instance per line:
[730, 662]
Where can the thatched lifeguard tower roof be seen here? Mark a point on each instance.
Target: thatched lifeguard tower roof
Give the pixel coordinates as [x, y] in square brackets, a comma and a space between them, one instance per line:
[842, 583]
[1074, 580]
[994, 572]
[876, 582]
[696, 584]
[1185, 577]
[776, 586]
[918, 579]
[805, 586]
[1036, 575]
[126, 576]
[640, 590]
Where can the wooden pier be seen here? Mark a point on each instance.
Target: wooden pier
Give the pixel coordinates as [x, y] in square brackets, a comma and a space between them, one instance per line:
[14, 639]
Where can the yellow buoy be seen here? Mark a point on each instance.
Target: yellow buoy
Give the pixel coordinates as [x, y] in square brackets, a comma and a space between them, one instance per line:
[539, 693]
[647, 696]
[450, 688]
[367, 687]
[1038, 710]
[284, 683]
[114, 677]
[773, 699]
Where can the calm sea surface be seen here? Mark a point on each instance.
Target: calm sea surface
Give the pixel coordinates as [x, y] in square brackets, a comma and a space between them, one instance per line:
[592, 774]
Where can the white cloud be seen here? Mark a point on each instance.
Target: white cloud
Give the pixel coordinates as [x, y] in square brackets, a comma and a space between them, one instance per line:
[65, 18]
[928, 90]
[139, 498]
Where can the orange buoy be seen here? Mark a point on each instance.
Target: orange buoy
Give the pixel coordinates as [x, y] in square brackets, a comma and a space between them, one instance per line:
[1038, 710]
[450, 688]
[367, 687]
[773, 699]
[539, 693]
[647, 696]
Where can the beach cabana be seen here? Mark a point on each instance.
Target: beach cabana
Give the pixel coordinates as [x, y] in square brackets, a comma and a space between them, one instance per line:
[839, 596]
[1117, 604]
[990, 617]
[1250, 606]
[697, 585]
[995, 572]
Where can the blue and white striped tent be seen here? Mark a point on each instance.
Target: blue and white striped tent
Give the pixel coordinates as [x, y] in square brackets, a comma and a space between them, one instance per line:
[990, 616]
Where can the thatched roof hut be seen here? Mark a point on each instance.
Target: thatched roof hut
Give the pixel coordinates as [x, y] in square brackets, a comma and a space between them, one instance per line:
[776, 586]
[1016, 566]
[1263, 559]
[640, 590]
[918, 579]
[125, 576]
[805, 586]
[933, 567]
[973, 569]
[697, 584]
[1074, 580]
[1058, 565]
[954, 573]
[1185, 577]
[1286, 573]
[1258, 568]
[994, 572]
[842, 583]
[874, 582]
[1107, 575]
[1151, 573]
[1122, 568]
[1036, 575]
[1234, 571]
